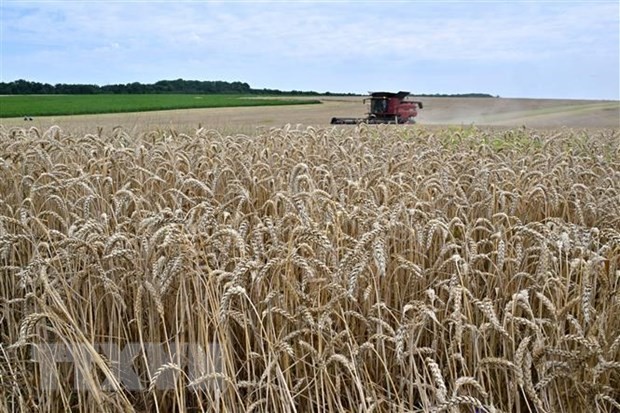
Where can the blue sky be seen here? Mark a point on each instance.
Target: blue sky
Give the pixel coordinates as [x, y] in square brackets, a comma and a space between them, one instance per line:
[539, 49]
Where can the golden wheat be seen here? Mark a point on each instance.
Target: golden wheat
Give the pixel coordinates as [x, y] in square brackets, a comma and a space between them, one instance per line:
[344, 269]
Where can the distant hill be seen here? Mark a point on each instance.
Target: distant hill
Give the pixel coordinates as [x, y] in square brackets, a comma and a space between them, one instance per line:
[25, 87]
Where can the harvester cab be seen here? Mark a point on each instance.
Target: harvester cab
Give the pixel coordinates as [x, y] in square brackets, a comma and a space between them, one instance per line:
[386, 107]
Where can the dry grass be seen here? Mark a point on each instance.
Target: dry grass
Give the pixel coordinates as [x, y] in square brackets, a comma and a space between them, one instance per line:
[370, 269]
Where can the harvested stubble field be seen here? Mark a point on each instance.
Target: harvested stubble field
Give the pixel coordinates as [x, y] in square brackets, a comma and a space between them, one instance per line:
[361, 269]
[437, 113]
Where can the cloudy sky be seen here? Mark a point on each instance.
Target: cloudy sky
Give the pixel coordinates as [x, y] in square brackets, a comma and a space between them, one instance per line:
[545, 49]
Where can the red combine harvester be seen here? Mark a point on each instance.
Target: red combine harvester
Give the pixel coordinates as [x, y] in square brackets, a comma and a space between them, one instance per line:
[386, 107]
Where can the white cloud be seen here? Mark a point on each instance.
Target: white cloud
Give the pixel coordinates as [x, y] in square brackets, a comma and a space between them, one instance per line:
[186, 37]
[305, 31]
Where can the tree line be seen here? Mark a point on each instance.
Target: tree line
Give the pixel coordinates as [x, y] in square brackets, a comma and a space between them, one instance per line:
[25, 87]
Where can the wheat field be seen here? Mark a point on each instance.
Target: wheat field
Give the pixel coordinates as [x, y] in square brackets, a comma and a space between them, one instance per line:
[359, 269]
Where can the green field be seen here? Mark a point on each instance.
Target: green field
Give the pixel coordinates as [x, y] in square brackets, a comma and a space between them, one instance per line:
[56, 105]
